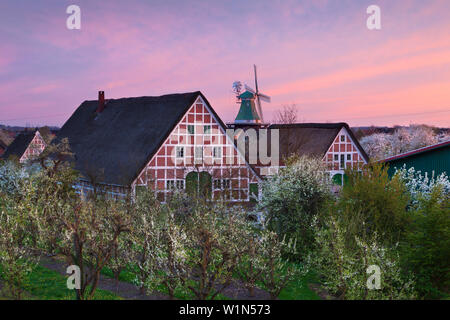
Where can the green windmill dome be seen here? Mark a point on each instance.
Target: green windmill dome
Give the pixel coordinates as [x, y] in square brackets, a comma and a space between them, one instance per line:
[247, 112]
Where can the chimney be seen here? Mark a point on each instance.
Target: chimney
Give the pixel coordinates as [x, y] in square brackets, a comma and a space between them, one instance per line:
[101, 101]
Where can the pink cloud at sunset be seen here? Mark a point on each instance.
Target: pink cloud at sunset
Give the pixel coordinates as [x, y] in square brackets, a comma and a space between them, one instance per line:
[316, 54]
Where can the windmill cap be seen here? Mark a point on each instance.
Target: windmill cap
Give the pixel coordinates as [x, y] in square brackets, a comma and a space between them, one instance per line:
[247, 95]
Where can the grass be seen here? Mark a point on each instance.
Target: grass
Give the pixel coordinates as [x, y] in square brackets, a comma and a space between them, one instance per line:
[298, 288]
[46, 284]
[128, 275]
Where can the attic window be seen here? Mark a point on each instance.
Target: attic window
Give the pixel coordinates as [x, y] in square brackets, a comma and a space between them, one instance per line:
[191, 129]
[207, 129]
[342, 138]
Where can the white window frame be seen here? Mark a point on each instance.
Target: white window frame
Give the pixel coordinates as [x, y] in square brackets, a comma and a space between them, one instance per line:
[193, 131]
[180, 184]
[175, 184]
[170, 184]
[342, 161]
[198, 158]
[222, 184]
[217, 155]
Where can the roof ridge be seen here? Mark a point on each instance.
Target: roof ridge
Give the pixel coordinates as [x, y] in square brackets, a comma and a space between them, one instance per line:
[142, 97]
[416, 151]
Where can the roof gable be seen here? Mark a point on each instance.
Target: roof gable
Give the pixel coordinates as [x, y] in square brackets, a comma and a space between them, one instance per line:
[311, 139]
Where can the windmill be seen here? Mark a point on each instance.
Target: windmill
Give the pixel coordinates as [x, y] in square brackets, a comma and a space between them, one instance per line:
[250, 112]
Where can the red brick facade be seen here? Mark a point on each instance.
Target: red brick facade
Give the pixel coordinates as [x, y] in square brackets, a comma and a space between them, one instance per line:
[198, 143]
[343, 153]
[34, 149]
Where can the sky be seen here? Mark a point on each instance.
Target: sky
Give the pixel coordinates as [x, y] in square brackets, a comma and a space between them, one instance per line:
[317, 54]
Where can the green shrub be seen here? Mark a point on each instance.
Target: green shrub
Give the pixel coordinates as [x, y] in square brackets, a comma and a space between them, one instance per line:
[381, 201]
[427, 247]
[342, 265]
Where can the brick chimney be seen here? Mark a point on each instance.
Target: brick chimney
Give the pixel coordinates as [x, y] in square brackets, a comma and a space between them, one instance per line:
[101, 102]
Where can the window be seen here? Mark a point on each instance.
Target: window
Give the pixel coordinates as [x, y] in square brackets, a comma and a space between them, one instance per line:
[349, 157]
[191, 129]
[174, 184]
[342, 138]
[336, 157]
[170, 184]
[342, 164]
[217, 152]
[198, 153]
[226, 183]
[207, 129]
[180, 184]
[180, 152]
[222, 184]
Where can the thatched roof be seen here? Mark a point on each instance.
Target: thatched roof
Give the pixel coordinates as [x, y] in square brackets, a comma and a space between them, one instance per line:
[114, 146]
[19, 145]
[311, 139]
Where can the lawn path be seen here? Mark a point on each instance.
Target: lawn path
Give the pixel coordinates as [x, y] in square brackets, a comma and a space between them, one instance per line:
[130, 291]
[123, 289]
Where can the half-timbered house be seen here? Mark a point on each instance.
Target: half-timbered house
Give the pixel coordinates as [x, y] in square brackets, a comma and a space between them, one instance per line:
[26, 146]
[175, 141]
[333, 143]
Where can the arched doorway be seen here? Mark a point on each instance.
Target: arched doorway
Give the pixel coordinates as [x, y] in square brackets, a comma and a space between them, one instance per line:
[199, 183]
[337, 179]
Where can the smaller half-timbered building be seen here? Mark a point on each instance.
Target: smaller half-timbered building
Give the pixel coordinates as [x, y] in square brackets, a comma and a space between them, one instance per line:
[26, 146]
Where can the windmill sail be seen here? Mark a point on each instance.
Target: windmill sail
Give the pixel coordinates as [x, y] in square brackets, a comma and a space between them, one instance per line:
[259, 96]
[250, 111]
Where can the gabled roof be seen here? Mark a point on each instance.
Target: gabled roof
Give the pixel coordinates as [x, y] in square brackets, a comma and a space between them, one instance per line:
[19, 145]
[115, 145]
[418, 151]
[311, 139]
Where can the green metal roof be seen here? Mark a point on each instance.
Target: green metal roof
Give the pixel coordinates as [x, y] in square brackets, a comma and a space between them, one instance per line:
[432, 159]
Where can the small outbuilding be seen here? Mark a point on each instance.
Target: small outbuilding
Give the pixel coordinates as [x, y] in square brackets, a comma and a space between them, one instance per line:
[434, 159]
